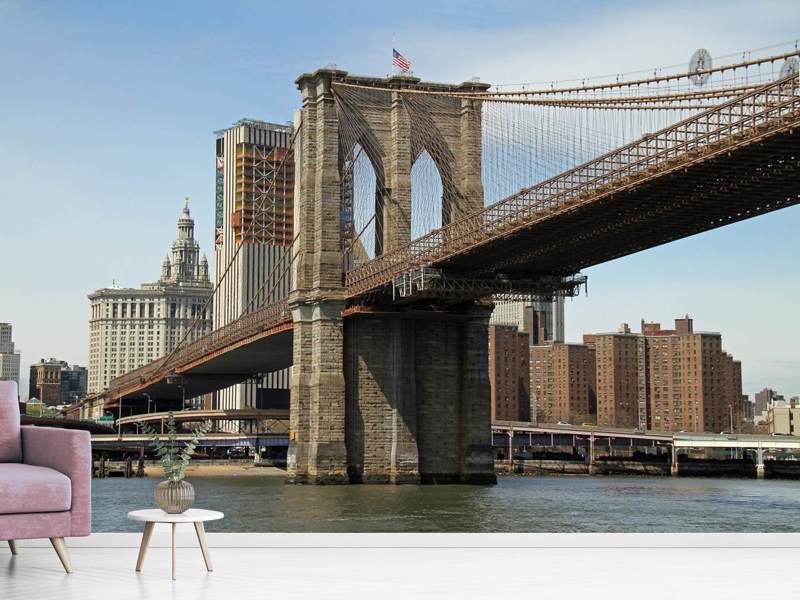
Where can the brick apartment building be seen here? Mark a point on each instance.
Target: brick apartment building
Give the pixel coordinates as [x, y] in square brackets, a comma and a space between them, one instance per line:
[621, 378]
[563, 382]
[55, 382]
[764, 399]
[667, 379]
[509, 377]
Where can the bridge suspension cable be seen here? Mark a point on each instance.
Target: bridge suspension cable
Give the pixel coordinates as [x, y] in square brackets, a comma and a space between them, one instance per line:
[768, 110]
[719, 82]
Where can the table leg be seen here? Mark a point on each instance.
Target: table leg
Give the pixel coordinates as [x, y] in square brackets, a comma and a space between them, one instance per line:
[173, 551]
[148, 532]
[201, 537]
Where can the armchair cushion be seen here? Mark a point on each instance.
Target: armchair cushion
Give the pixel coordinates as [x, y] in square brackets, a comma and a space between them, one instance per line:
[31, 489]
[10, 445]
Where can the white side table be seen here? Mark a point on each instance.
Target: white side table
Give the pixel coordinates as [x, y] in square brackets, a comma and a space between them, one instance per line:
[196, 516]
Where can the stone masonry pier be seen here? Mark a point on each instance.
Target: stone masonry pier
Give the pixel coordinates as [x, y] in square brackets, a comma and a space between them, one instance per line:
[381, 395]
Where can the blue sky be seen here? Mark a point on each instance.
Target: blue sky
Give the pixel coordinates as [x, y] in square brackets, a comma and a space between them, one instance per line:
[107, 112]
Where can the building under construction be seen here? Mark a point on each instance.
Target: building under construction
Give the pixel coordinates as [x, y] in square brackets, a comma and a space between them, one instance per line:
[253, 237]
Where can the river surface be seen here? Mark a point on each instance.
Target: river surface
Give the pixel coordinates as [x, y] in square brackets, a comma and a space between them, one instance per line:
[516, 504]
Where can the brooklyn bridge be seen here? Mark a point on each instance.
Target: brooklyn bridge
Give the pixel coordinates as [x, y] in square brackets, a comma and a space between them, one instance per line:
[417, 203]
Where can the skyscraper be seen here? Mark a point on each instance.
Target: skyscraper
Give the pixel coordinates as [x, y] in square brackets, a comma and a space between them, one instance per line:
[9, 358]
[130, 327]
[543, 320]
[253, 237]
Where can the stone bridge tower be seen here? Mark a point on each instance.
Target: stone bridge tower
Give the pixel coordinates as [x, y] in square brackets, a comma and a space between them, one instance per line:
[381, 393]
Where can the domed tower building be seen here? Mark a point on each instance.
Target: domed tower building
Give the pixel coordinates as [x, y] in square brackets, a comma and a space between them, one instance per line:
[130, 327]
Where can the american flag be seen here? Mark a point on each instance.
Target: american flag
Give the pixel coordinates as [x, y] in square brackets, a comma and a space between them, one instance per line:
[400, 61]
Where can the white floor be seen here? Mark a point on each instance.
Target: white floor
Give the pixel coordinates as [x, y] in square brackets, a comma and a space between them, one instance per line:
[367, 566]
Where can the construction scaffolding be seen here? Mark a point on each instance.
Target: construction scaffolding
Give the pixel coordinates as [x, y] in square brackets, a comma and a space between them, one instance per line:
[264, 200]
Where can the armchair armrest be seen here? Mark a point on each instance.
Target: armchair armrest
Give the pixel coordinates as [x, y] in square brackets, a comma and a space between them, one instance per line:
[68, 451]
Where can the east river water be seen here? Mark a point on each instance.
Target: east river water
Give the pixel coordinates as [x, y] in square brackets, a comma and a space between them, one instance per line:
[516, 504]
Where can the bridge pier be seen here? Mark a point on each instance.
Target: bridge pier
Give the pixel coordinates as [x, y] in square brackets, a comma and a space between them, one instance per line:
[759, 463]
[389, 397]
[590, 456]
[317, 451]
[417, 398]
[673, 466]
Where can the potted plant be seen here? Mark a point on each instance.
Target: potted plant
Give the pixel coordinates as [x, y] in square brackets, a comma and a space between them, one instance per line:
[174, 495]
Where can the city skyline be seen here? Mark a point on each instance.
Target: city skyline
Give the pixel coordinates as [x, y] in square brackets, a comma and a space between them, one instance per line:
[732, 279]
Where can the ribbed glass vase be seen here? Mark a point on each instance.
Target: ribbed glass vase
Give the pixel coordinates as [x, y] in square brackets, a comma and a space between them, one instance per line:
[174, 497]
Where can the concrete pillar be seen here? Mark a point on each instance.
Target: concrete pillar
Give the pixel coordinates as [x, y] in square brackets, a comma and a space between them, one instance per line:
[418, 398]
[673, 468]
[591, 457]
[760, 463]
[511, 450]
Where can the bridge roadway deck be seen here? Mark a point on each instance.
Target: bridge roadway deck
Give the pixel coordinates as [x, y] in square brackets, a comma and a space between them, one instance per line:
[730, 163]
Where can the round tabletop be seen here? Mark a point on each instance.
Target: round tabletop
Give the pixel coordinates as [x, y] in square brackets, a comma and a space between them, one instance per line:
[156, 515]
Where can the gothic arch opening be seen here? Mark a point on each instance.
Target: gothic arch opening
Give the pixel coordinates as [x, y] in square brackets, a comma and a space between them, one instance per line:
[361, 208]
[427, 192]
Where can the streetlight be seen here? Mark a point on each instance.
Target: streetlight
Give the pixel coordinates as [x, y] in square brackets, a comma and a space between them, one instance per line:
[149, 400]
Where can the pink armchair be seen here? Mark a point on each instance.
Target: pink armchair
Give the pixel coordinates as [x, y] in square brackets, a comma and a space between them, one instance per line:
[45, 480]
